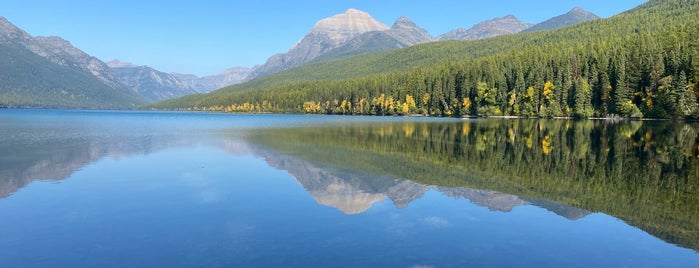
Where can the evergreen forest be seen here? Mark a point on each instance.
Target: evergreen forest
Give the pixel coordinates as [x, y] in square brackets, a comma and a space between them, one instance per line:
[640, 63]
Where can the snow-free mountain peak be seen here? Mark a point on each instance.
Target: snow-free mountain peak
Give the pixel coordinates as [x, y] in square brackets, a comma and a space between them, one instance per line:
[408, 32]
[348, 24]
[326, 34]
[490, 28]
[574, 16]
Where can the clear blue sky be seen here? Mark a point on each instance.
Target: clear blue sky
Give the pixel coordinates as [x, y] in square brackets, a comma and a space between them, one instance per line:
[205, 37]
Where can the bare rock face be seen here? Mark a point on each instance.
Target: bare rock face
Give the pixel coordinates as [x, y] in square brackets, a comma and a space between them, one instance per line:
[150, 83]
[12, 35]
[231, 76]
[327, 34]
[58, 51]
[486, 29]
[403, 33]
[342, 27]
[409, 33]
[574, 16]
[63, 53]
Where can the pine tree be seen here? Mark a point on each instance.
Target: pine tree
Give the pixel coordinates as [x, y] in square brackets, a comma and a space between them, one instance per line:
[583, 95]
[686, 99]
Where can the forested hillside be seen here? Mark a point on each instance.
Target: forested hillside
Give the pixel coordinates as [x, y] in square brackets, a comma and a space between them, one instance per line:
[641, 63]
[29, 80]
[48, 72]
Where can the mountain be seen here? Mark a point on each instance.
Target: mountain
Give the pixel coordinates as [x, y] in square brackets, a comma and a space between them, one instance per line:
[50, 72]
[574, 16]
[486, 29]
[327, 34]
[150, 83]
[206, 84]
[408, 33]
[61, 52]
[120, 64]
[599, 68]
[403, 33]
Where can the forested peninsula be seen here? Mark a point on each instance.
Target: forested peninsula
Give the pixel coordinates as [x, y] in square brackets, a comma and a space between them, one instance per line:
[640, 63]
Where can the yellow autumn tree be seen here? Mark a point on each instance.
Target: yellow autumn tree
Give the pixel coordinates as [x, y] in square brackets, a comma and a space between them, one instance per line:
[410, 101]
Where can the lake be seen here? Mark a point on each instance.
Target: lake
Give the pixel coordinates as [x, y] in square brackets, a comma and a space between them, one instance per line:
[171, 189]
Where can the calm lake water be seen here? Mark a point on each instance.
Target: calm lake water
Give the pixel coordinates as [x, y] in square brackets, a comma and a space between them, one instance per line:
[147, 189]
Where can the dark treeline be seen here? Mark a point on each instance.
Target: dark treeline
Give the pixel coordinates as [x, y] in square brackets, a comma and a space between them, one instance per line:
[645, 173]
[643, 63]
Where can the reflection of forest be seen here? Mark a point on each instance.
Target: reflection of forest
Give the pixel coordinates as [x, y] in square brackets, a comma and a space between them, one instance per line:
[354, 191]
[646, 173]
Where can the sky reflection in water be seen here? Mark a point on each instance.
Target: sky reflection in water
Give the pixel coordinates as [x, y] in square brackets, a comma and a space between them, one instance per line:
[208, 197]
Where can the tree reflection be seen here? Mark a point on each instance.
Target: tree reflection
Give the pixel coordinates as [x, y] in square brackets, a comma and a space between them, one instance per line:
[645, 173]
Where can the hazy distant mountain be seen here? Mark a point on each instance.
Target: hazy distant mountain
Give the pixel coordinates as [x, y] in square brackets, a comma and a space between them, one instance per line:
[576, 15]
[327, 34]
[50, 72]
[150, 83]
[490, 28]
[155, 85]
[120, 64]
[403, 33]
[231, 76]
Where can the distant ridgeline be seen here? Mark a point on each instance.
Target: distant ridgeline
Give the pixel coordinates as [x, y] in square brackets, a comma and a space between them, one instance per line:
[641, 63]
[645, 173]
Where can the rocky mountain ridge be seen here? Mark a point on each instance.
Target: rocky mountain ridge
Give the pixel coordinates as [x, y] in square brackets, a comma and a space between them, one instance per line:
[326, 34]
[62, 52]
[152, 84]
[486, 29]
[403, 33]
[340, 36]
[50, 72]
[574, 16]
[156, 85]
[230, 76]
[347, 34]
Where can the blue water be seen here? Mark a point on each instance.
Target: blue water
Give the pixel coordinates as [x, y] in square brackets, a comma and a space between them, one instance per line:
[142, 189]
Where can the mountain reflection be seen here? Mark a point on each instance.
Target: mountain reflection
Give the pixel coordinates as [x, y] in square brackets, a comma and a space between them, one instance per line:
[354, 192]
[645, 173]
[26, 159]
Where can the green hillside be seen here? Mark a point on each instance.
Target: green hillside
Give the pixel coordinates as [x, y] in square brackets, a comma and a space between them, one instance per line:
[644, 62]
[28, 80]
